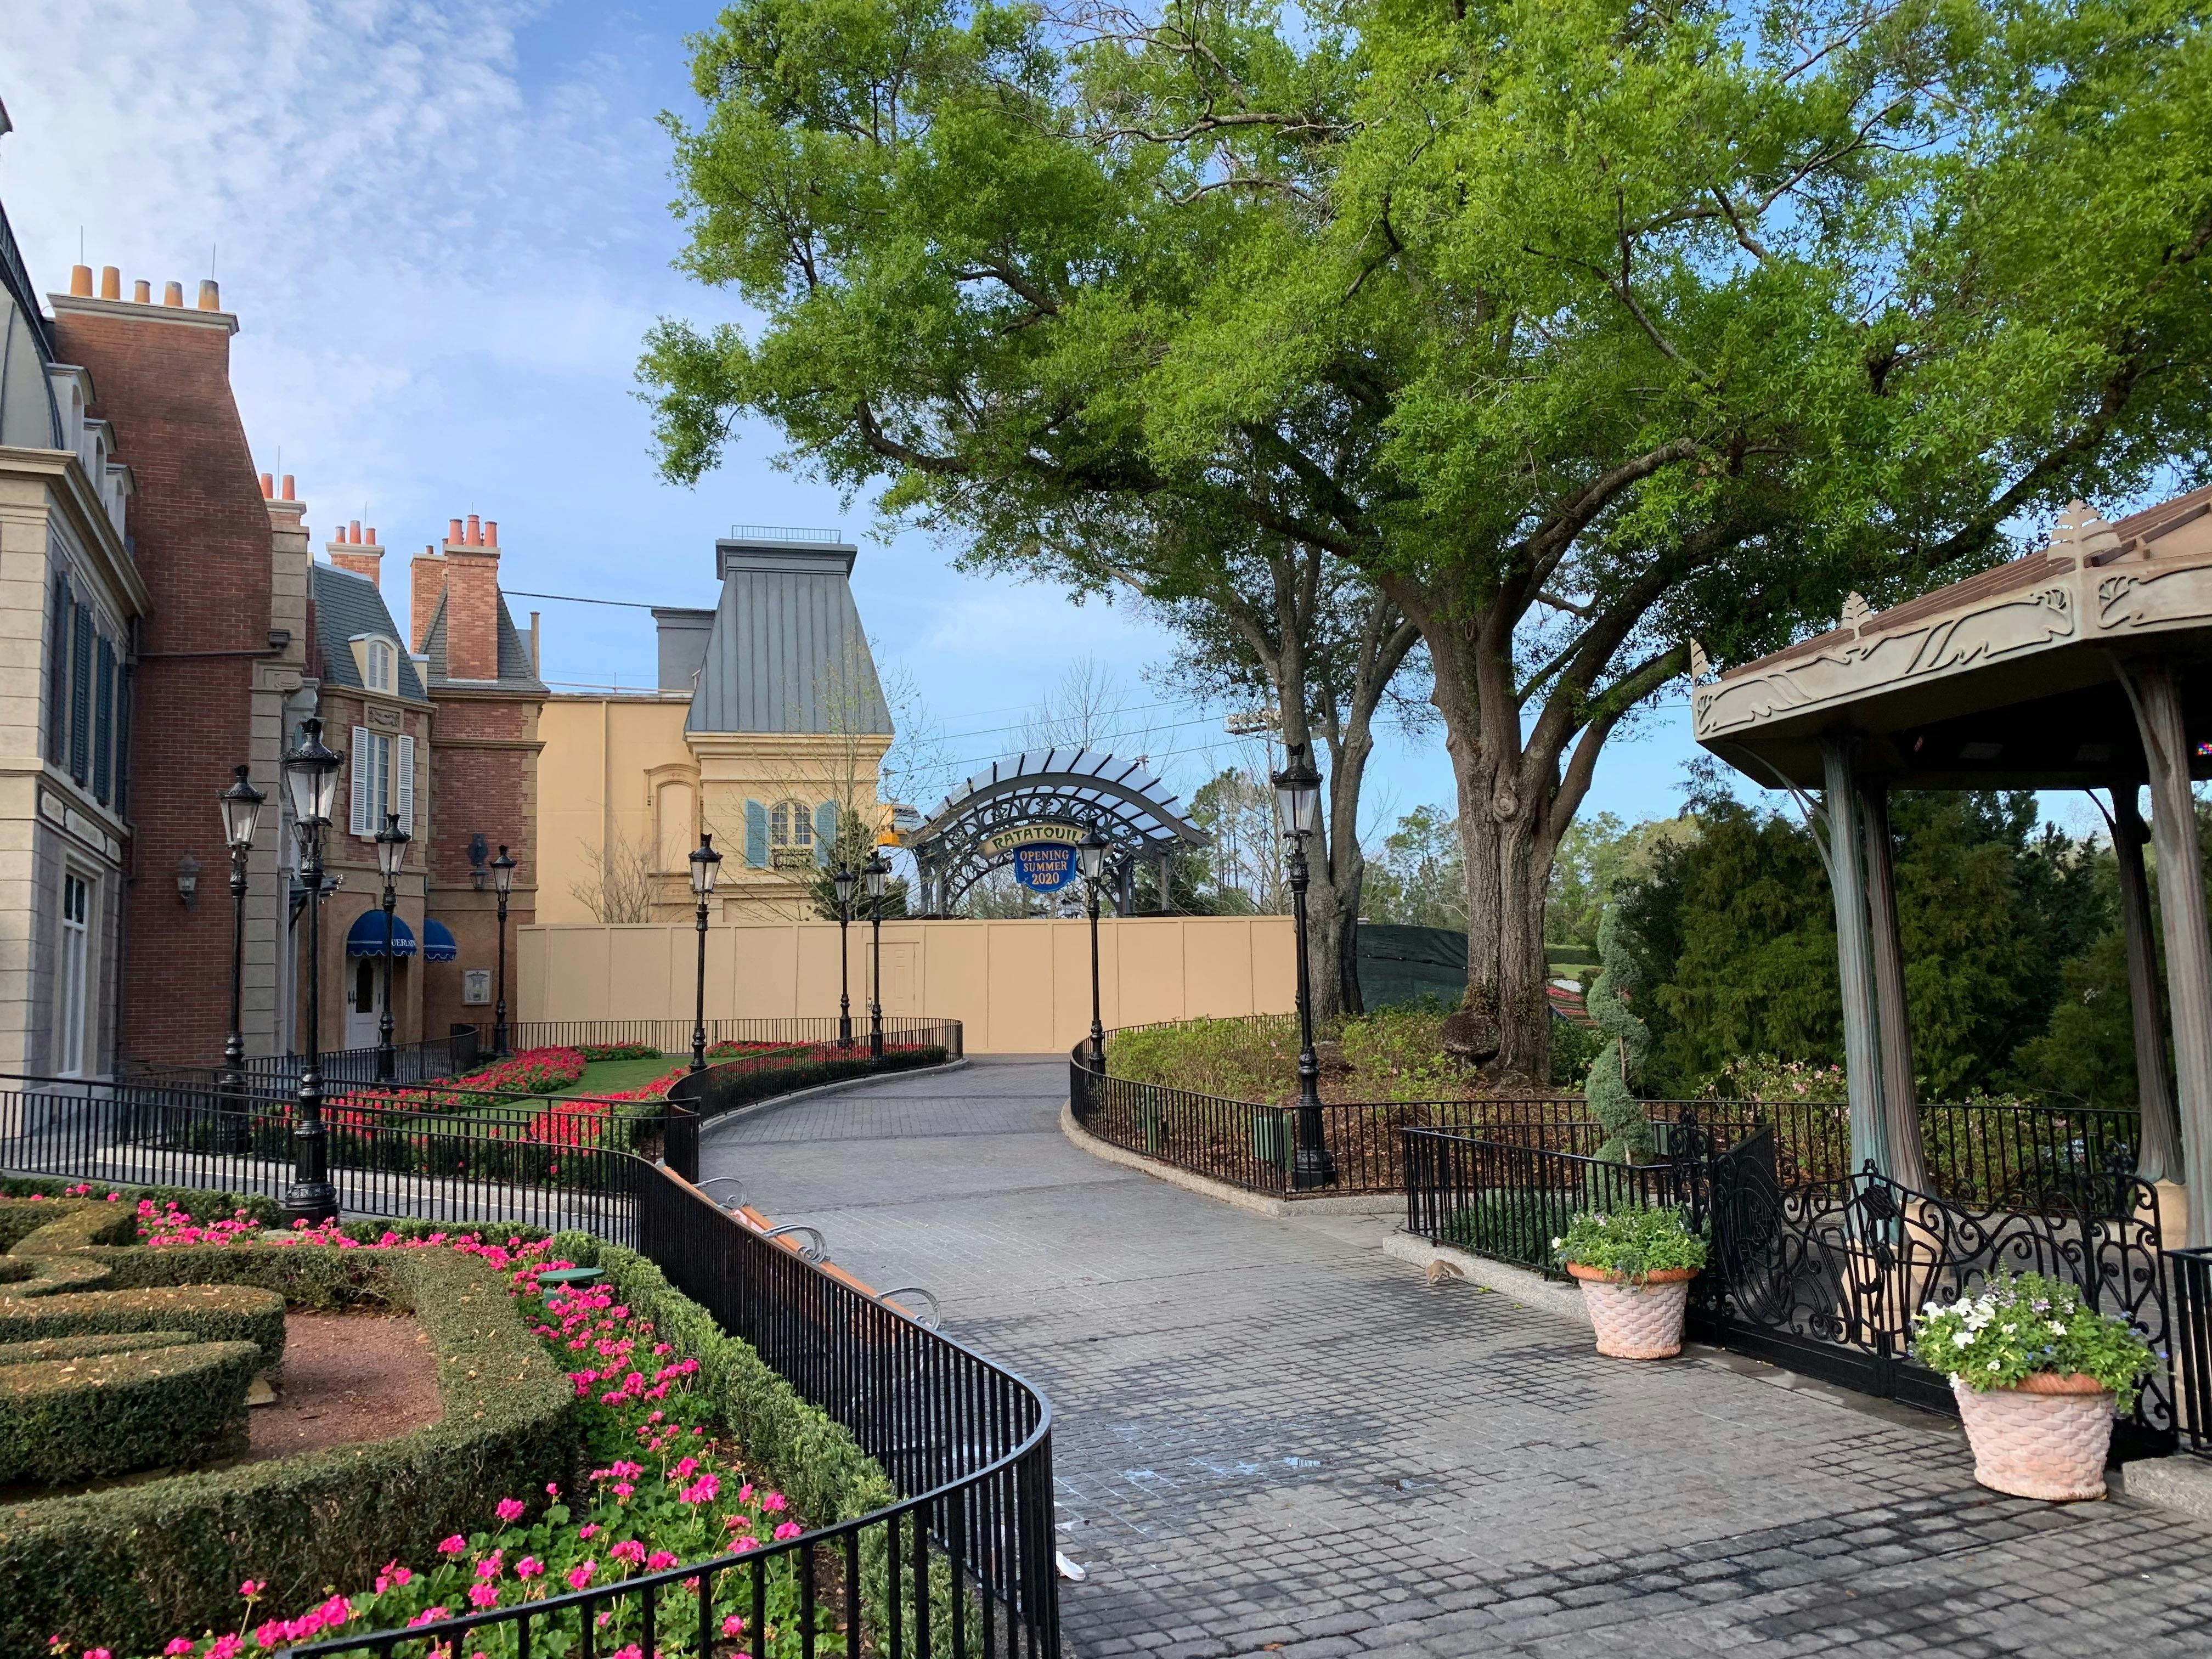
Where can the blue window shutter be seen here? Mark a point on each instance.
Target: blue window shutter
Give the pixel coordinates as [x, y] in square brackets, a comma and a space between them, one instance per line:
[58, 648]
[825, 832]
[81, 695]
[755, 835]
[103, 722]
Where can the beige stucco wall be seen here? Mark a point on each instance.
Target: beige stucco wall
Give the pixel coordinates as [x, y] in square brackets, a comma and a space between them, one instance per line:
[620, 770]
[1020, 987]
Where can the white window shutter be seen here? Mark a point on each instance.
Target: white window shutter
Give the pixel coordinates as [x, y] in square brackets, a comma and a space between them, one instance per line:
[363, 761]
[404, 792]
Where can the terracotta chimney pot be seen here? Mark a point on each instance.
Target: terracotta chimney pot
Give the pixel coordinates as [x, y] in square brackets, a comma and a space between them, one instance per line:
[142, 292]
[452, 532]
[476, 532]
[110, 283]
[81, 279]
[210, 294]
[172, 293]
[287, 489]
[352, 533]
[491, 533]
[268, 487]
[372, 535]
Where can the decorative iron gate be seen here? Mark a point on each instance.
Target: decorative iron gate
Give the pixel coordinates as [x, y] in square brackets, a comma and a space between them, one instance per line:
[1824, 1277]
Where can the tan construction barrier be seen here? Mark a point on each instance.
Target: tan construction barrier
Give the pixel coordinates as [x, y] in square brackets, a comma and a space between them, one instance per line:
[1017, 986]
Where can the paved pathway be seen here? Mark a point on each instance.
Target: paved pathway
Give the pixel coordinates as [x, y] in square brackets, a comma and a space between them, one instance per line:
[1270, 1437]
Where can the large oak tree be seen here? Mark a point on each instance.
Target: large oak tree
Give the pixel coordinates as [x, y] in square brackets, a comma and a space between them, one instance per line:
[1578, 328]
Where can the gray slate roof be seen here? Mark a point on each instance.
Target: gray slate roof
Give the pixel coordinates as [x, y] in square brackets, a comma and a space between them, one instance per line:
[347, 605]
[786, 652]
[514, 673]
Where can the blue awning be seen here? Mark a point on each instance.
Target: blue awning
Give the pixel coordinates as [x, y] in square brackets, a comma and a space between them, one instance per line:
[366, 937]
[438, 941]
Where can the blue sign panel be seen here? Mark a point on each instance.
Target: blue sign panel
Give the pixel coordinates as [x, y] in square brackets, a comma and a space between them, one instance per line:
[1042, 867]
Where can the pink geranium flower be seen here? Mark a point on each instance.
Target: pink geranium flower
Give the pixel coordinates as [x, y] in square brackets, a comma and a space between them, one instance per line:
[510, 1509]
[453, 1546]
[580, 1576]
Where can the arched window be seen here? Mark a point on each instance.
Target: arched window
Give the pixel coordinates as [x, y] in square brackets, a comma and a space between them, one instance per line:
[380, 665]
[791, 824]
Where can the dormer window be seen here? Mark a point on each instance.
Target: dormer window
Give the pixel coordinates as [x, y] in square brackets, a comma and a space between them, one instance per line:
[380, 665]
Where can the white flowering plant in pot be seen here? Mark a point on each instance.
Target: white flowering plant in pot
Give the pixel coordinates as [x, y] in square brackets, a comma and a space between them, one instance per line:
[2038, 1375]
[1635, 1266]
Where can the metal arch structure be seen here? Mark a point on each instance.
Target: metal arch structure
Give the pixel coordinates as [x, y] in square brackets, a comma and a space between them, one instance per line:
[1078, 787]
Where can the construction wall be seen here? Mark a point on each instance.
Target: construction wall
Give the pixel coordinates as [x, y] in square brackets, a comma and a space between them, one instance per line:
[1021, 987]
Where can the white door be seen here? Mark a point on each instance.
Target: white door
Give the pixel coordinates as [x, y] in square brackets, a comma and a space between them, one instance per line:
[364, 1001]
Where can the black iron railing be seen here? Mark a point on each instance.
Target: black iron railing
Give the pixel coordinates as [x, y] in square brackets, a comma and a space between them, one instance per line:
[963, 1566]
[413, 1062]
[1508, 1200]
[2190, 1347]
[481, 1165]
[673, 1036]
[702, 1096]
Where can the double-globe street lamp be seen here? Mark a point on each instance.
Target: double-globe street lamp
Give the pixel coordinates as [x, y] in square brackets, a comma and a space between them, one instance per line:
[706, 864]
[843, 881]
[310, 777]
[503, 881]
[1090, 860]
[1298, 809]
[390, 853]
[874, 871]
[241, 816]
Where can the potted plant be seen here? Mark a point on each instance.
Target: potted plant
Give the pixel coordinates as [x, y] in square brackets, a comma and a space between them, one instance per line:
[2038, 1377]
[1635, 1267]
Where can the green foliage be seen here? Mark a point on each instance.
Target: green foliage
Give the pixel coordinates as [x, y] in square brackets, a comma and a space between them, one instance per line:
[2022, 1325]
[1595, 855]
[2087, 1052]
[1632, 1241]
[727, 1087]
[1252, 1060]
[1762, 1076]
[795, 1446]
[209, 1313]
[1612, 1102]
[1505, 1226]
[127, 1567]
[1734, 933]
[1575, 1048]
[1419, 879]
[73, 1411]
[1397, 1054]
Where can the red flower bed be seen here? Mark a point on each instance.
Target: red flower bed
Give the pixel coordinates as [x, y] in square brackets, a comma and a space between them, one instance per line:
[580, 1122]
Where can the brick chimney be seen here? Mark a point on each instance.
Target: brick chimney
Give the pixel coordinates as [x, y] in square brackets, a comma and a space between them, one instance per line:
[426, 576]
[350, 551]
[472, 604]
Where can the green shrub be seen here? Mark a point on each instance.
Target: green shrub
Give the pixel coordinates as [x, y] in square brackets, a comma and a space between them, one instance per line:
[194, 1201]
[127, 1567]
[168, 1402]
[1504, 1226]
[1254, 1060]
[1632, 1241]
[65, 1347]
[209, 1313]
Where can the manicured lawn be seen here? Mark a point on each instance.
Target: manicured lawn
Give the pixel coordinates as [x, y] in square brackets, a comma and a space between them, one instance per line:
[608, 1076]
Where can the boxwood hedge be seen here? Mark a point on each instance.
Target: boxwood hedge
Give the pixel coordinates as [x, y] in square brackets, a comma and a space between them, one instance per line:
[128, 1567]
[73, 1411]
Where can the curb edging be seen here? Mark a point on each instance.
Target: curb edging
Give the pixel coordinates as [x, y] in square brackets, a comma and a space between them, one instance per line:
[1280, 1209]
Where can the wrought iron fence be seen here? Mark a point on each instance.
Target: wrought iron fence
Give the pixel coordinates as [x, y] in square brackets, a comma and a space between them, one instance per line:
[702, 1096]
[963, 1565]
[1509, 1198]
[413, 1062]
[2190, 1325]
[673, 1036]
[484, 1165]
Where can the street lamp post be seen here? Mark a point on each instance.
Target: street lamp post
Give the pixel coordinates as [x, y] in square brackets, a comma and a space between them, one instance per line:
[843, 881]
[502, 879]
[1298, 809]
[311, 774]
[390, 853]
[706, 864]
[242, 816]
[1090, 860]
[874, 871]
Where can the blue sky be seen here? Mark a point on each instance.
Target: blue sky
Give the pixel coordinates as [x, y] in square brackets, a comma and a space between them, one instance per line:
[444, 228]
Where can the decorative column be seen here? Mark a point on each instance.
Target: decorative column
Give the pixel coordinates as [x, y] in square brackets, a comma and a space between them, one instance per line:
[2158, 1158]
[1854, 954]
[1908, 1162]
[2157, 695]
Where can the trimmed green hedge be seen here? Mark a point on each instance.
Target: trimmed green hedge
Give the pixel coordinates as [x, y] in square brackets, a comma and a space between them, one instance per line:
[130, 1567]
[209, 1313]
[76, 1417]
[725, 1090]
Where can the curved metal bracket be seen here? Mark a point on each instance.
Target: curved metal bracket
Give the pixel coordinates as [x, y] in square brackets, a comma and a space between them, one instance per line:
[933, 1319]
[736, 1202]
[814, 1253]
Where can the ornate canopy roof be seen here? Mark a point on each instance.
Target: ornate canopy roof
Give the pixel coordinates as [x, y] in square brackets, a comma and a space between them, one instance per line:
[2004, 680]
[968, 833]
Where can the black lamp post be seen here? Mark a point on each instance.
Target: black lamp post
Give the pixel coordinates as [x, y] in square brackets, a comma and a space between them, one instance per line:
[1090, 860]
[874, 871]
[390, 853]
[1298, 809]
[502, 880]
[241, 816]
[706, 864]
[311, 774]
[843, 881]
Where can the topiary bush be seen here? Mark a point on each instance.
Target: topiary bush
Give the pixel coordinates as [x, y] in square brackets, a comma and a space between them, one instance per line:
[125, 1568]
[75, 1409]
[1628, 1139]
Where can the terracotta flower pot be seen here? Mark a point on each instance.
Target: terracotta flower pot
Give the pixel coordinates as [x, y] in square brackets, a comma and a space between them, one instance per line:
[2045, 1438]
[1635, 1321]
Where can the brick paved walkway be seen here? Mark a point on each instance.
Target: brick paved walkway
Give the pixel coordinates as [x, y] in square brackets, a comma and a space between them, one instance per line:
[1270, 1437]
